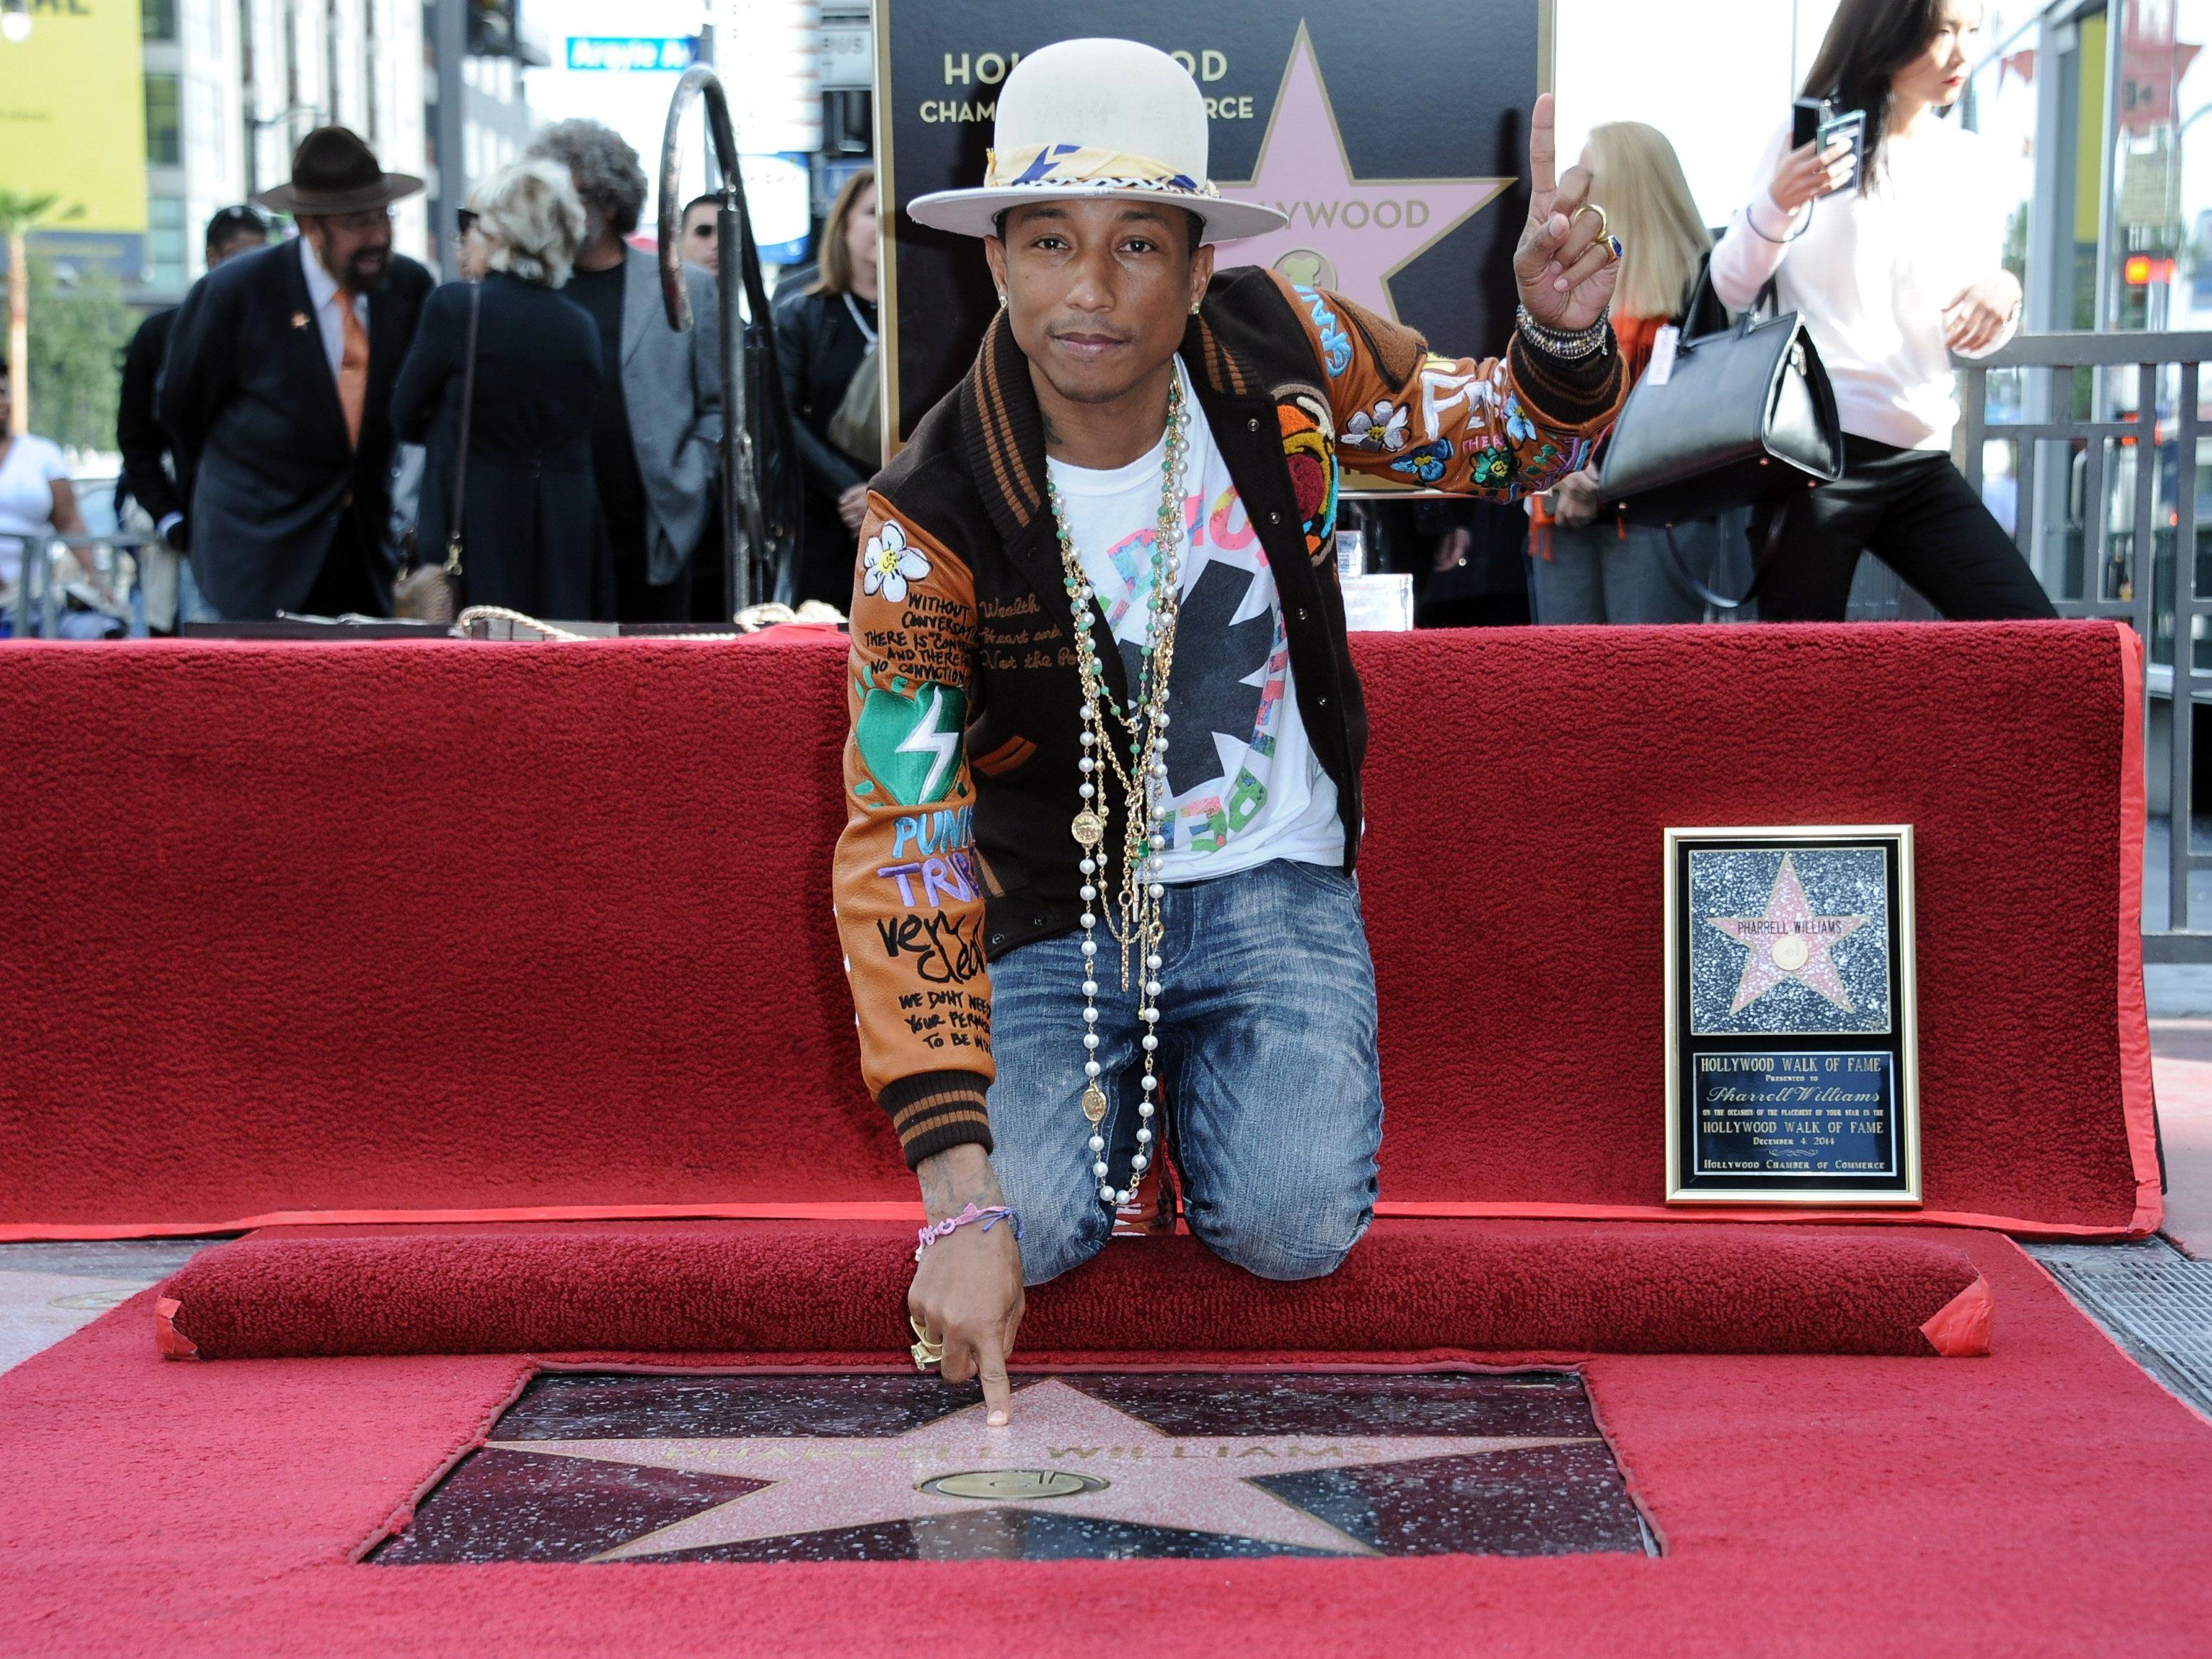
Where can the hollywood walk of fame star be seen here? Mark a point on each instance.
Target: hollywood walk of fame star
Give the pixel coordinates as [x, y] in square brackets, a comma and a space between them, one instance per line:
[1790, 943]
[1346, 234]
[1196, 1483]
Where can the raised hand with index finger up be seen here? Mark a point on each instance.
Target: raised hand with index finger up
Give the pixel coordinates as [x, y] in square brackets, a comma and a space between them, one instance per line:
[1566, 263]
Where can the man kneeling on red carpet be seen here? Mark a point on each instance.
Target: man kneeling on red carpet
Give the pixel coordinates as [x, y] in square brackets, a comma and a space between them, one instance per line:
[1147, 826]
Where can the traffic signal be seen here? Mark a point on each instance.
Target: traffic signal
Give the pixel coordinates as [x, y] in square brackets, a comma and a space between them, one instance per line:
[492, 31]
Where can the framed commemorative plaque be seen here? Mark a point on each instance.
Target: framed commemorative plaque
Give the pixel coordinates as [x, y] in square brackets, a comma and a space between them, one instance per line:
[1791, 1050]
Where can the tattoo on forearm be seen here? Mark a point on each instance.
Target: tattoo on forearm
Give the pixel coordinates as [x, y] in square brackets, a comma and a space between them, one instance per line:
[951, 1181]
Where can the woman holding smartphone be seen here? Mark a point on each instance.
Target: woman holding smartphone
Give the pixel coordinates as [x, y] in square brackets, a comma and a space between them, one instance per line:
[1893, 263]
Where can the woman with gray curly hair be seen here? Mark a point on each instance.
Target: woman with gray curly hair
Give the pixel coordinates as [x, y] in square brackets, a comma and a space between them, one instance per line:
[528, 503]
[656, 434]
[609, 178]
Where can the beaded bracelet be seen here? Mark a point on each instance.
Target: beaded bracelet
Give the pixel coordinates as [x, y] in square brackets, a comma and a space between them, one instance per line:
[990, 1217]
[1567, 347]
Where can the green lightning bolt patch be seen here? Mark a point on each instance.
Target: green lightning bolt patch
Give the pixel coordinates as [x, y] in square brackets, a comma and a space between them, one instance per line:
[912, 744]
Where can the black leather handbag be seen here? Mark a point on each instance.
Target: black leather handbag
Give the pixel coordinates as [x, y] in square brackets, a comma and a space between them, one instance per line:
[1747, 418]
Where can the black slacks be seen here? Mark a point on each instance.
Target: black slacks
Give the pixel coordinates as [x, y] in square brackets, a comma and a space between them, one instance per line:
[637, 597]
[353, 581]
[1913, 510]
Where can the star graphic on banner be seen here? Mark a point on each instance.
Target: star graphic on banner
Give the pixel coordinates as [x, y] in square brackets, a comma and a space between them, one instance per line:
[1346, 234]
[1136, 1474]
[1790, 943]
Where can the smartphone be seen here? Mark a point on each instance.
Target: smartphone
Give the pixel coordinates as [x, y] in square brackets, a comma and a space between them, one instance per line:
[1817, 121]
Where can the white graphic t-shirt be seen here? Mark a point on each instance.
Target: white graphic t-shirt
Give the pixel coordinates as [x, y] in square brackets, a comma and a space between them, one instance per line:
[1245, 784]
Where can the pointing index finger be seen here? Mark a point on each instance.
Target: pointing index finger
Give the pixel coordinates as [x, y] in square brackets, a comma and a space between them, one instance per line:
[998, 1395]
[1543, 150]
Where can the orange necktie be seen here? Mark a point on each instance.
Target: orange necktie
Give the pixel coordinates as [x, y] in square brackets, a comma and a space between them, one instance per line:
[353, 367]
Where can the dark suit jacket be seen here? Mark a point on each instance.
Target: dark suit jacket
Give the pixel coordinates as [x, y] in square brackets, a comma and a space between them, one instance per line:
[138, 433]
[530, 523]
[249, 399]
[819, 348]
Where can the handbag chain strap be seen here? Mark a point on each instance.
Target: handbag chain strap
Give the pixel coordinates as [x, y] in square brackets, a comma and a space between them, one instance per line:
[867, 332]
[461, 459]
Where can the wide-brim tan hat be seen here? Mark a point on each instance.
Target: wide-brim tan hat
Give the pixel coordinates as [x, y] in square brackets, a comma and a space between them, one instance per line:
[334, 171]
[1112, 120]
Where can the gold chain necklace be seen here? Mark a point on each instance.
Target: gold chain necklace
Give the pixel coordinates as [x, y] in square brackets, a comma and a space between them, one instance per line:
[1133, 907]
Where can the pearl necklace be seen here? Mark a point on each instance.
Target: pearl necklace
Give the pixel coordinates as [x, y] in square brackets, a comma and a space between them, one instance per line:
[1133, 912]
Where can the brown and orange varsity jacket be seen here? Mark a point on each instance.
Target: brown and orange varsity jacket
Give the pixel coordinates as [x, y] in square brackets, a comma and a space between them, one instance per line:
[960, 773]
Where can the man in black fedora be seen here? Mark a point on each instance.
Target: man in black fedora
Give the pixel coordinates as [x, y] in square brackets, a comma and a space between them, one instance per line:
[277, 391]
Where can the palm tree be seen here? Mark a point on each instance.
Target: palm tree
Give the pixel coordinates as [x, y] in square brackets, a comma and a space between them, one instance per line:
[18, 214]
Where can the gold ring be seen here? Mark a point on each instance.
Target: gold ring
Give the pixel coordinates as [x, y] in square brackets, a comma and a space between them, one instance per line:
[925, 1351]
[1604, 226]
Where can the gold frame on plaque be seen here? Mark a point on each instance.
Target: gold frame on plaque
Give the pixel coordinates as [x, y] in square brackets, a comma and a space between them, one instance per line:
[1903, 1040]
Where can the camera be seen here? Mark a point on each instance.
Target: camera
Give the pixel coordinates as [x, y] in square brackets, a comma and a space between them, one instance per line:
[1818, 121]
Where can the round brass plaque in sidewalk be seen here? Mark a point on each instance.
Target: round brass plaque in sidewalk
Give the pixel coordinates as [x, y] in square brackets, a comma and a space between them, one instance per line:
[1015, 1486]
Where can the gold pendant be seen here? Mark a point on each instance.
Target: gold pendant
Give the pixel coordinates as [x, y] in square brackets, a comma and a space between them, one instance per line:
[1089, 828]
[1094, 1102]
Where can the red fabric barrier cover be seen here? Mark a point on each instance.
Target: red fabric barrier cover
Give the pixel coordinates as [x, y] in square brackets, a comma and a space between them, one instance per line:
[2048, 1499]
[370, 931]
[779, 1288]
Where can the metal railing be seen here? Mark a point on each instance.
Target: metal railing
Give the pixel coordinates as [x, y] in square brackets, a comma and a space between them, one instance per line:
[41, 600]
[2105, 432]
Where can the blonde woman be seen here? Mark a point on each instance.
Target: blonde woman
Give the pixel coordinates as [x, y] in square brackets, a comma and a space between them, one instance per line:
[1586, 567]
[529, 527]
[824, 336]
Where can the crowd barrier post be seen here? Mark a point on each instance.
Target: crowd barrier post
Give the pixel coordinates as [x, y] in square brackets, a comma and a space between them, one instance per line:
[2116, 536]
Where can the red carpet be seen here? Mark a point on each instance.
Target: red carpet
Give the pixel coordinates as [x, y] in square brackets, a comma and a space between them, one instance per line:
[2048, 1499]
[762, 1289]
[382, 931]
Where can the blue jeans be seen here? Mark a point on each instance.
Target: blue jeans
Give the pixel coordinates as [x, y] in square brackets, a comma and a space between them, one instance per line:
[1608, 573]
[1267, 1050]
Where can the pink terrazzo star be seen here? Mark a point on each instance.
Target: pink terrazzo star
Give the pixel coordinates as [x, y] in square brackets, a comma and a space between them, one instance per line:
[1198, 1483]
[1790, 942]
[1346, 234]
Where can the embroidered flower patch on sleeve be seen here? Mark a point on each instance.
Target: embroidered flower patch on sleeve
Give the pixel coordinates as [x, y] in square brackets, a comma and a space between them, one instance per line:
[1383, 428]
[1493, 467]
[888, 564]
[1427, 463]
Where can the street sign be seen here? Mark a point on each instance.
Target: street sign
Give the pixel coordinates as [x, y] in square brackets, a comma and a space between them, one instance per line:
[633, 53]
[848, 55]
[779, 196]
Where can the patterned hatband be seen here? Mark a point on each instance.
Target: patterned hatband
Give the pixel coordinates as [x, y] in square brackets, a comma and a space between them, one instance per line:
[1076, 169]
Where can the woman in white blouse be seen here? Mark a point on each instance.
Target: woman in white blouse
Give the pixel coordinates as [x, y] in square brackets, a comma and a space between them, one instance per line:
[37, 501]
[1892, 273]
